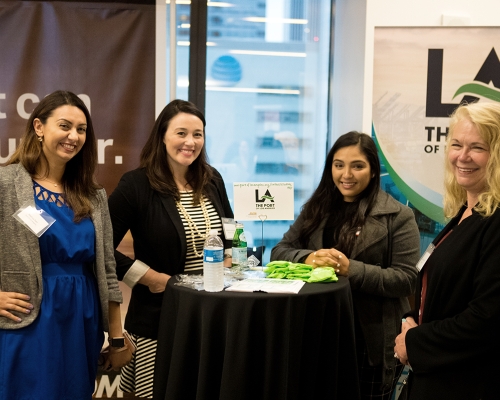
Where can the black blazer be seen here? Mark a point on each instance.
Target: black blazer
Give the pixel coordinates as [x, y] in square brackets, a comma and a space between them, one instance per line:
[159, 239]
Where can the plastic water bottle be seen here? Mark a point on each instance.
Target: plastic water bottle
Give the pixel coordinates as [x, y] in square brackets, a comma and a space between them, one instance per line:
[213, 263]
[239, 249]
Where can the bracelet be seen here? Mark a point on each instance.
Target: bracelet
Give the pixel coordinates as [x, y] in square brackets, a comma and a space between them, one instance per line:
[118, 350]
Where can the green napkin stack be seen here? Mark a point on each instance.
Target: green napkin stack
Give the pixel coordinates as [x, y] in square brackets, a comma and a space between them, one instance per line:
[303, 272]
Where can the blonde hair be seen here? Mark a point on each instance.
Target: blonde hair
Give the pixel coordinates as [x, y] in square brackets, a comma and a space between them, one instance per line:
[485, 117]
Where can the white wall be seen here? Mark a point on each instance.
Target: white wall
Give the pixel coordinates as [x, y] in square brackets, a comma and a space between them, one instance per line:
[355, 22]
[348, 66]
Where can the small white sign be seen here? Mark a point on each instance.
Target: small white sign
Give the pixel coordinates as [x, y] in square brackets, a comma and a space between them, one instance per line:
[254, 201]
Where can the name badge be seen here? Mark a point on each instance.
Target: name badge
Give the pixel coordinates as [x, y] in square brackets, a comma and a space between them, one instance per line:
[425, 256]
[33, 218]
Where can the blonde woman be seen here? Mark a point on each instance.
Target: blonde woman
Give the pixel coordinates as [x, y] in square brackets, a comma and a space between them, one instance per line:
[450, 340]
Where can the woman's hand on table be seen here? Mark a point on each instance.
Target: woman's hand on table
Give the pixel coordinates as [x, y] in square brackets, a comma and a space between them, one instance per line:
[400, 346]
[329, 258]
[12, 301]
[155, 281]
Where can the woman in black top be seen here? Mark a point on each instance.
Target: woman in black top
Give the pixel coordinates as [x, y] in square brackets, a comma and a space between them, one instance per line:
[169, 205]
[450, 340]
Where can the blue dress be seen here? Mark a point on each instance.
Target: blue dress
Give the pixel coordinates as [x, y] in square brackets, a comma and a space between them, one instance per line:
[55, 357]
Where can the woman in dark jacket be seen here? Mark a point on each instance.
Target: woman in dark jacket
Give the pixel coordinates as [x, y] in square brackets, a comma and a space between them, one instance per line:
[169, 205]
[450, 340]
[366, 235]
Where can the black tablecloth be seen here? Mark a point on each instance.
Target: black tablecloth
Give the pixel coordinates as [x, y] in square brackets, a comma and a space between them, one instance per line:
[257, 346]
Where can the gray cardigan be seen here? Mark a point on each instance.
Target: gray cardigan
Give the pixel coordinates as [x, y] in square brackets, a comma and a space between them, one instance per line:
[379, 291]
[20, 262]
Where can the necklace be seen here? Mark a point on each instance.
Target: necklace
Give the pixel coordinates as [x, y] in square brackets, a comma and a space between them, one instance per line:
[192, 225]
[45, 179]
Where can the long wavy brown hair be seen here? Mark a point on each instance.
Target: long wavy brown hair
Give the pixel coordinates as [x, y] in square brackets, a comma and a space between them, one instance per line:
[154, 155]
[78, 179]
[327, 198]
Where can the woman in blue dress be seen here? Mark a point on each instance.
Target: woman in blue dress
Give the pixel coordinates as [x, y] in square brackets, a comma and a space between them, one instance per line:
[58, 286]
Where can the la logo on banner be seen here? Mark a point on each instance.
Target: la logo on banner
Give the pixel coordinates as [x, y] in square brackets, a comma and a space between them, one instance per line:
[489, 72]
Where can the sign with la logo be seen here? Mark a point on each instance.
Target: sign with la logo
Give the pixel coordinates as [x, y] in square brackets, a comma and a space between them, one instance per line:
[254, 201]
[420, 76]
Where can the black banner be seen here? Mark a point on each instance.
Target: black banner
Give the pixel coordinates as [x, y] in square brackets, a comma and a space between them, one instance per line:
[103, 52]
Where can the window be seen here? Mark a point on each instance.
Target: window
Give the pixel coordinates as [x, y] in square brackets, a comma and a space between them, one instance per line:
[266, 95]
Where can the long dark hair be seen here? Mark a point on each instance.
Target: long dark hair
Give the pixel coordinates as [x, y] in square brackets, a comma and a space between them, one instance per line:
[154, 155]
[327, 198]
[78, 179]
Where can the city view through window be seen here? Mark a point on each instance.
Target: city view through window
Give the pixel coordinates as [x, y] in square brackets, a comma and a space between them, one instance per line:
[266, 95]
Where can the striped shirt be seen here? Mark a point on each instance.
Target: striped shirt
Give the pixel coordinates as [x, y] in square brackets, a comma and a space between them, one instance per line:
[193, 262]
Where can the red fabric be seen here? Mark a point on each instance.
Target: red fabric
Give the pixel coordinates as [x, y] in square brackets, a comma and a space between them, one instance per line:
[424, 284]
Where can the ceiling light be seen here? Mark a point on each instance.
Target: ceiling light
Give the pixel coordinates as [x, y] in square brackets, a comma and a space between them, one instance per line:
[268, 53]
[277, 20]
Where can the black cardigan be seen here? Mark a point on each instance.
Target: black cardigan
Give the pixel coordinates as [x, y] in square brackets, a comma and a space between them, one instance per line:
[159, 239]
[454, 352]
